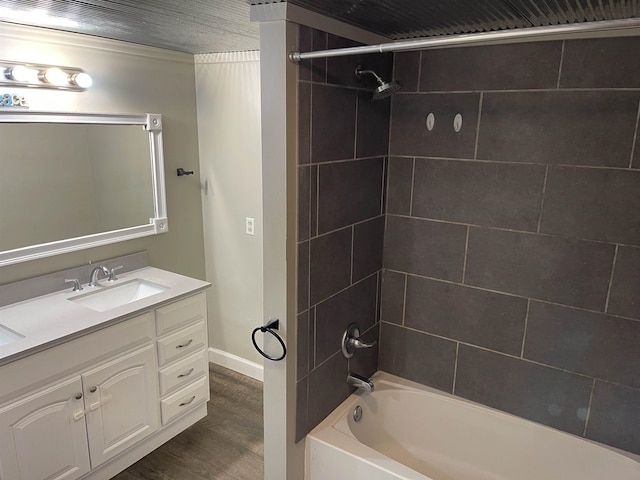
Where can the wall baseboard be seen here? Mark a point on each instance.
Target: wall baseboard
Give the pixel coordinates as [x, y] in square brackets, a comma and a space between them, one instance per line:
[236, 363]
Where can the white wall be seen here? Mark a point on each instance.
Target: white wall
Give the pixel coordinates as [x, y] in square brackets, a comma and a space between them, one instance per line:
[228, 100]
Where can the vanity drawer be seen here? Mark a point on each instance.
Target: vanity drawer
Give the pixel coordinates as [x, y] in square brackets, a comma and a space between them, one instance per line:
[183, 372]
[182, 312]
[184, 400]
[181, 343]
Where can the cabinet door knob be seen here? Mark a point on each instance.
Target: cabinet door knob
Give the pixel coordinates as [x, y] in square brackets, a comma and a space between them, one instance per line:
[185, 344]
[182, 375]
[78, 396]
[93, 389]
[187, 402]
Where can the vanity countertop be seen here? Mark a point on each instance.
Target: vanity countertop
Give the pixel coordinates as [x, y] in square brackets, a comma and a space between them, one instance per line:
[51, 319]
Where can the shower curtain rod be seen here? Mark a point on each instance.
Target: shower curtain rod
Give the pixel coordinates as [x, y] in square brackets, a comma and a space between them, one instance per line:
[504, 36]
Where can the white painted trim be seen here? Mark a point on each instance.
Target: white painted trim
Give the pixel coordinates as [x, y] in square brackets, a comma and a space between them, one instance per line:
[293, 13]
[236, 363]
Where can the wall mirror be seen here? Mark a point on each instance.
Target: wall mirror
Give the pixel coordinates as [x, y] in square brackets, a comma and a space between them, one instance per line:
[70, 181]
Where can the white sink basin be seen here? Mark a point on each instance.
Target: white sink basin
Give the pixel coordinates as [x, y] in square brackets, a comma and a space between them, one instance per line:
[7, 335]
[106, 298]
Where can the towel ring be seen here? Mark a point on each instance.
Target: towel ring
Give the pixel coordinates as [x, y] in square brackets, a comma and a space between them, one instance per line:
[273, 324]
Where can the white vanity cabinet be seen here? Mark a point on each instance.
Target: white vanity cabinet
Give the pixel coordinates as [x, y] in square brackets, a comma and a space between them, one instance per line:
[90, 407]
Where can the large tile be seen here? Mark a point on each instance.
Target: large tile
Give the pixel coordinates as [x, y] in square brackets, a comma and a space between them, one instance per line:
[636, 152]
[623, 298]
[303, 351]
[365, 361]
[406, 69]
[368, 242]
[342, 70]
[589, 343]
[349, 192]
[432, 249]
[319, 41]
[615, 417]
[490, 194]
[593, 203]
[305, 44]
[563, 270]
[332, 136]
[498, 67]
[304, 123]
[399, 185]
[330, 264]
[373, 126]
[601, 63]
[392, 302]
[409, 134]
[304, 212]
[576, 128]
[303, 276]
[328, 388]
[302, 408]
[357, 304]
[545, 395]
[466, 314]
[417, 356]
[313, 200]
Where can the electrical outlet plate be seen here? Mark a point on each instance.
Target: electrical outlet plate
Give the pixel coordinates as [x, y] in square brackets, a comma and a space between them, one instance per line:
[249, 226]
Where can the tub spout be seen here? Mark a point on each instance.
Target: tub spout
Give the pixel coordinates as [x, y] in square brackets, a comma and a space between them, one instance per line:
[361, 383]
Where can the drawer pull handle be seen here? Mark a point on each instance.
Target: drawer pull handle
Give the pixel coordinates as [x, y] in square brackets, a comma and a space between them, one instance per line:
[78, 415]
[183, 345]
[182, 375]
[187, 403]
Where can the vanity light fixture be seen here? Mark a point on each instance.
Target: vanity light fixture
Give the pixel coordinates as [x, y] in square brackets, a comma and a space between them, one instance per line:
[32, 75]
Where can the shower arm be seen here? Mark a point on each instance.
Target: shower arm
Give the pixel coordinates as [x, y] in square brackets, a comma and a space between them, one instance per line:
[606, 28]
[360, 72]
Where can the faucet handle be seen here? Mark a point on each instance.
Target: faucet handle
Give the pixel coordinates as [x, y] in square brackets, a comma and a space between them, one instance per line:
[351, 341]
[76, 284]
[112, 273]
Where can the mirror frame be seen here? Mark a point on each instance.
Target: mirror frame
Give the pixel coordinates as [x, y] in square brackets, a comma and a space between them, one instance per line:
[152, 123]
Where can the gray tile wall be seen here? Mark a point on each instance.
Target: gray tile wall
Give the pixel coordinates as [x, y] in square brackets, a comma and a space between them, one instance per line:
[512, 248]
[343, 140]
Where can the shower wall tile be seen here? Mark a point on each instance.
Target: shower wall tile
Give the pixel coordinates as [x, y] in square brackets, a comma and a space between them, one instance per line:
[303, 276]
[342, 70]
[545, 395]
[410, 137]
[304, 333]
[635, 163]
[373, 126]
[466, 314]
[578, 128]
[592, 344]
[498, 67]
[417, 356]
[392, 302]
[601, 63]
[302, 408]
[332, 136]
[557, 269]
[595, 204]
[406, 70]
[327, 388]
[490, 194]
[304, 213]
[615, 416]
[319, 41]
[349, 192]
[330, 264]
[368, 242]
[356, 304]
[313, 200]
[305, 44]
[399, 185]
[623, 298]
[404, 247]
[304, 123]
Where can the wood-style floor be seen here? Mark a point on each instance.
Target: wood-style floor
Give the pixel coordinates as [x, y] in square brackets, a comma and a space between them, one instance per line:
[225, 445]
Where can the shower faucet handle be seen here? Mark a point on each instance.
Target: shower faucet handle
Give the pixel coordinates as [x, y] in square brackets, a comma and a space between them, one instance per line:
[351, 341]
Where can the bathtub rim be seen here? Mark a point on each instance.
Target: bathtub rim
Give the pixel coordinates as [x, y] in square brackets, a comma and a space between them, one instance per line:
[334, 430]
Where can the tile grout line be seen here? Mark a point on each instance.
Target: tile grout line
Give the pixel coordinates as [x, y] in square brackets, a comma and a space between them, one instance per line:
[560, 65]
[475, 149]
[455, 369]
[419, 71]
[635, 137]
[544, 191]
[466, 251]
[586, 420]
[526, 325]
[413, 180]
[353, 236]
[404, 299]
[613, 270]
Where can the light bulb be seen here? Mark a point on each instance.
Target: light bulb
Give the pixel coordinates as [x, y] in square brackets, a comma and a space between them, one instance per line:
[83, 80]
[20, 73]
[55, 76]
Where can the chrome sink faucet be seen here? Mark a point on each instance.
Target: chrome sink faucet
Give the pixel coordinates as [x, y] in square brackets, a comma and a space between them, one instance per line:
[93, 280]
[360, 382]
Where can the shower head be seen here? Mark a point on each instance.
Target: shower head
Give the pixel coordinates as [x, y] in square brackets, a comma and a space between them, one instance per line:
[384, 89]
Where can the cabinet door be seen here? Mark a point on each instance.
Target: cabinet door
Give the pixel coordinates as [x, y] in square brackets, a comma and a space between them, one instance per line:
[121, 401]
[44, 435]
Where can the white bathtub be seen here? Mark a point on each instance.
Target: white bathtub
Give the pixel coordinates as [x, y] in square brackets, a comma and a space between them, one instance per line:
[411, 432]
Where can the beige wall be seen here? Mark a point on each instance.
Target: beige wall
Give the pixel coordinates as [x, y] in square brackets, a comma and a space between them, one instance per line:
[127, 78]
[228, 93]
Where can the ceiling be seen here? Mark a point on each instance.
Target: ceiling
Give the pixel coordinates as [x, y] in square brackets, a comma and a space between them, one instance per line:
[205, 26]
